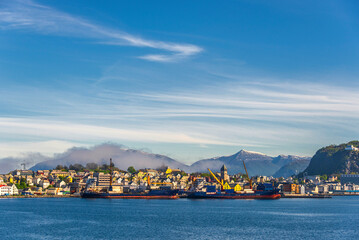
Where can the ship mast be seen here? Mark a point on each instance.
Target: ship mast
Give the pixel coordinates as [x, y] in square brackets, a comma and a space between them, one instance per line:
[110, 188]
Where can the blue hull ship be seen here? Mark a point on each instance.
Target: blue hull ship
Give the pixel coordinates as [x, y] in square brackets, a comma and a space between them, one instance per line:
[264, 191]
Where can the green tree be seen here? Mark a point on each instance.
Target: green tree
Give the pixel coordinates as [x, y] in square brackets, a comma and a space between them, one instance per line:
[205, 175]
[91, 166]
[22, 184]
[62, 178]
[324, 177]
[131, 169]
[59, 167]
[163, 168]
[105, 167]
[76, 167]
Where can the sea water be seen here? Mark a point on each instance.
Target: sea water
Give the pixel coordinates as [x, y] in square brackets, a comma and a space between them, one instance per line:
[76, 218]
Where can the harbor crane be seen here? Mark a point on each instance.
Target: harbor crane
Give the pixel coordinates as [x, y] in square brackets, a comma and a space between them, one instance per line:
[250, 180]
[220, 182]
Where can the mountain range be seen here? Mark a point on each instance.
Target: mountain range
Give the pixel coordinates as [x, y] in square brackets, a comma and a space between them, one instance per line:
[257, 163]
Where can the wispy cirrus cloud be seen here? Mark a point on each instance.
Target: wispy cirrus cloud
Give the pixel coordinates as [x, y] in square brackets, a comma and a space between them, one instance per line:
[295, 117]
[27, 14]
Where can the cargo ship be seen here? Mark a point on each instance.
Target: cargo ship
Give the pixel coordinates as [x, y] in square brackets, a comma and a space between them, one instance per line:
[264, 191]
[148, 194]
[162, 193]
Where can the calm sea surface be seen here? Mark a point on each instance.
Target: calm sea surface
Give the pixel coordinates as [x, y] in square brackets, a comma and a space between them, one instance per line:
[75, 218]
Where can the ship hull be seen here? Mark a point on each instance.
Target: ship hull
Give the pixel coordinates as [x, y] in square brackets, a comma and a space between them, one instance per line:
[257, 195]
[150, 195]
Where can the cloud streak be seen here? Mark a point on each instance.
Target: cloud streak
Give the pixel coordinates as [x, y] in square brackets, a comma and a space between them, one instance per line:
[306, 116]
[26, 14]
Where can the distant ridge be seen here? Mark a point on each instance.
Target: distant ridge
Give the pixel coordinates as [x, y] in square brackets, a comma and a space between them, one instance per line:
[257, 163]
[334, 159]
[292, 168]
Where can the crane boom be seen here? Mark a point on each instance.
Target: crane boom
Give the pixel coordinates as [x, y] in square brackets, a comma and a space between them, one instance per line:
[250, 180]
[168, 183]
[110, 188]
[215, 177]
[148, 179]
[245, 169]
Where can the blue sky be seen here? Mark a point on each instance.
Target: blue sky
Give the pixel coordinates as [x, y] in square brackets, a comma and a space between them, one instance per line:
[189, 79]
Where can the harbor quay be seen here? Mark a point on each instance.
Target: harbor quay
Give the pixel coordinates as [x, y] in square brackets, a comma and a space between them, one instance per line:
[108, 181]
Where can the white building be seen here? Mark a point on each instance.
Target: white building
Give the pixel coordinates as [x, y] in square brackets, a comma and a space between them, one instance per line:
[44, 183]
[302, 189]
[8, 190]
[36, 180]
[323, 189]
[351, 148]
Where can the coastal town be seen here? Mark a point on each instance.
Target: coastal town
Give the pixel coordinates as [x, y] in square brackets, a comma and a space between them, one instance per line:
[71, 181]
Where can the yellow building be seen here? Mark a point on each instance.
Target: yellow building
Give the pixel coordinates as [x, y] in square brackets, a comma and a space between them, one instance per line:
[69, 179]
[291, 188]
[59, 173]
[237, 188]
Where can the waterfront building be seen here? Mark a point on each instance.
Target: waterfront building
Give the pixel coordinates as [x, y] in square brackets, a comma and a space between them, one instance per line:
[311, 188]
[38, 191]
[349, 178]
[54, 191]
[301, 189]
[290, 188]
[8, 190]
[323, 188]
[103, 179]
[334, 187]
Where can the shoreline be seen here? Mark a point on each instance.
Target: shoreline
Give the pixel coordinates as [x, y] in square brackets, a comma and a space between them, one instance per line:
[283, 196]
[39, 196]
